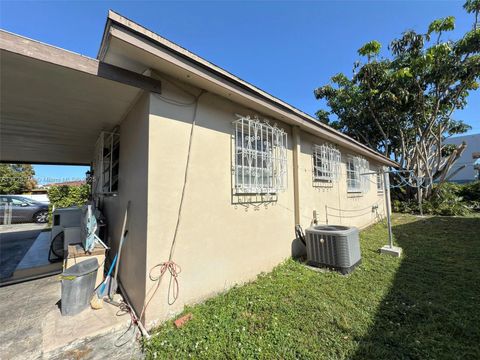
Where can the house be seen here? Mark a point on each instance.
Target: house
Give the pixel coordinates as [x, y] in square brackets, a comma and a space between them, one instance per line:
[216, 171]
[465, 168]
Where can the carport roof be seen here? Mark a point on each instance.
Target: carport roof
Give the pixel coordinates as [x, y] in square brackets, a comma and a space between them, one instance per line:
[54, 103]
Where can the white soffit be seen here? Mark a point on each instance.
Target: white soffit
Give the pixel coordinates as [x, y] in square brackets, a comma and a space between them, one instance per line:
[53, 114]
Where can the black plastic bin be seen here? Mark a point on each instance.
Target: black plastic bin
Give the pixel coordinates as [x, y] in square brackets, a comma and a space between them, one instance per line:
[78, 284]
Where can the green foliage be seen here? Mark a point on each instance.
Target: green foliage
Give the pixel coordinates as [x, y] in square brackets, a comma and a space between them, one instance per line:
[370, 49]
[322, 116]
[447, 199]
[439, 25]
[470, 191]
[403, 105]
[16, 178]
[386, 309]
[65, 196]
[472, 6]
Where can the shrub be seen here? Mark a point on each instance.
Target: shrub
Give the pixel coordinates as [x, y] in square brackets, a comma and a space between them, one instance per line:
[406, 207]
[65, 196]
[448, 199]
[471, 191]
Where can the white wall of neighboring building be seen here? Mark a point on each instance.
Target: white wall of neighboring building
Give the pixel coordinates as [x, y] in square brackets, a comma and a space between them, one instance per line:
[43, 198]
[468, 173]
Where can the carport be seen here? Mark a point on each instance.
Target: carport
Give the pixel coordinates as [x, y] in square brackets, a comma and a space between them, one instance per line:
[54, 104]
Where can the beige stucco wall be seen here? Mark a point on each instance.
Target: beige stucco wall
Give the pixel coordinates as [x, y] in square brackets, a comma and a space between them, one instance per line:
[315, 195]
[222, 239]
[133, 176]
[219, 242]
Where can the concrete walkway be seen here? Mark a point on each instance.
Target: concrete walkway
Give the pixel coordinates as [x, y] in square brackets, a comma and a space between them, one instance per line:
[33, 328]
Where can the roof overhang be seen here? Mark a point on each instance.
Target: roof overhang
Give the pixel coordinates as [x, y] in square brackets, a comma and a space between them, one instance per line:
[131, 46]
[54, 103]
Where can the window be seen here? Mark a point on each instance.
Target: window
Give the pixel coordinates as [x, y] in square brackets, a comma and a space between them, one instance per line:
[106, 165]
[357, 179]
[380, 180]
[260, 157]
[326, 163]
[18, 201]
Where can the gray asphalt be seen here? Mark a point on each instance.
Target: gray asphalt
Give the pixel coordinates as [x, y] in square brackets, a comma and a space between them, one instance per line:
[13, 246]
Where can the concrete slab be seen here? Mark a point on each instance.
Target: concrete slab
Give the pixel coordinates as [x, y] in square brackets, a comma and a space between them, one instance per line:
[60, 330]
[33, 328]
[393, 251]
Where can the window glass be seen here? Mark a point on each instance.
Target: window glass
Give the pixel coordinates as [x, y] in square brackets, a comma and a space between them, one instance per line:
[18, 201]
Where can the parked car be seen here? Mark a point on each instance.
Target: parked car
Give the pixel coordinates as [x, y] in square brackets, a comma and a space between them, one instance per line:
[23, 209]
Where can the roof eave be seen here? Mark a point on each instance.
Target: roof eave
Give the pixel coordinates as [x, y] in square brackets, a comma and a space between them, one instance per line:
[138, 30]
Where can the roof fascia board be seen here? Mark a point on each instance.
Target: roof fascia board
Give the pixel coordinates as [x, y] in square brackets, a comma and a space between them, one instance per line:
[43, 163]
[123, 34]
[37, 50]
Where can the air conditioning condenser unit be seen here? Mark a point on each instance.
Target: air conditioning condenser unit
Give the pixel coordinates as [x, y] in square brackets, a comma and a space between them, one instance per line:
[333, 246]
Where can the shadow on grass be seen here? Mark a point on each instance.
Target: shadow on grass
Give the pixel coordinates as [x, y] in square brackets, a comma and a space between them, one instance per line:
[432, 310]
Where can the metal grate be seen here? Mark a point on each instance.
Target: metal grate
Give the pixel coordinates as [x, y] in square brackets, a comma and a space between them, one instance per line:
[260, 157]
[106, 164]
[326, 162]
[356, 182]
[333, 246]
[380, 180]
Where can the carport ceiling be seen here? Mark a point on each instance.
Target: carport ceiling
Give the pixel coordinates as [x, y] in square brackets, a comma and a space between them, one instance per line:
[54, 114]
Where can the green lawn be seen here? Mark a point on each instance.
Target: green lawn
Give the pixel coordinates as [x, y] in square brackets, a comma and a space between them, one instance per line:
[424, 306]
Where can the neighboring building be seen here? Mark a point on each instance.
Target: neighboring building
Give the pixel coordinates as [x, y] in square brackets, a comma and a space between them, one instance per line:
[256, 165]
[65, 183]
[466, 165]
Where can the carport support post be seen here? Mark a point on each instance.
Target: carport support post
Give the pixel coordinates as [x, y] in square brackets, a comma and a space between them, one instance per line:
[389, 249]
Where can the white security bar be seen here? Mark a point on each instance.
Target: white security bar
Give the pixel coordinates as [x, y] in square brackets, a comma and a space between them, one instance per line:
[326, 162]
[260, 157]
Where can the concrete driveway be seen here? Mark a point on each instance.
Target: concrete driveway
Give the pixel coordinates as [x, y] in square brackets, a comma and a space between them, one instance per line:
[15, 240]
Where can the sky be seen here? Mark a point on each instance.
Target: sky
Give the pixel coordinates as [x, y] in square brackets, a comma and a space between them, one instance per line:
[285, 48]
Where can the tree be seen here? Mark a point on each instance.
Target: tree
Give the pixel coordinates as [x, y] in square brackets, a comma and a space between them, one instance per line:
[16, 178]
[403, 105]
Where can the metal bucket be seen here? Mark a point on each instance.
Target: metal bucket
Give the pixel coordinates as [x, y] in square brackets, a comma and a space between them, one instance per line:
[78, 284]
